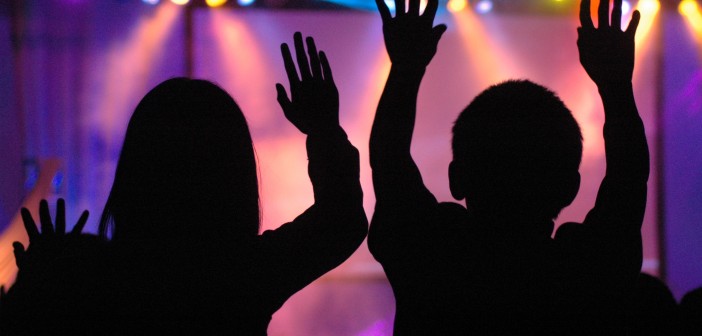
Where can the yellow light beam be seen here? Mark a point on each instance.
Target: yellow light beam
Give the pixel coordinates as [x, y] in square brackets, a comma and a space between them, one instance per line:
[129, 64]
[692, 12]
[241, 57]
[490, 65]
[644, 41]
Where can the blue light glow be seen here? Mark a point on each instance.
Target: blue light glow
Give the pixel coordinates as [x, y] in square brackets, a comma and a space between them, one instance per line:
[390, 4]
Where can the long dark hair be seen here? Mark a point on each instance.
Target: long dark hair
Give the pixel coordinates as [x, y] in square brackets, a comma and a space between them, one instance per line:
[187, 169]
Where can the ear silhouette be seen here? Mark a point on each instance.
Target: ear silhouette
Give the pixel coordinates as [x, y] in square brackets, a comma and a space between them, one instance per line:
[457, 180]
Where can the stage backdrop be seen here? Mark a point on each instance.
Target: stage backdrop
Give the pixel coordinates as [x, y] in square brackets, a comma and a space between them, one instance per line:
[83, 76]
[240, 51]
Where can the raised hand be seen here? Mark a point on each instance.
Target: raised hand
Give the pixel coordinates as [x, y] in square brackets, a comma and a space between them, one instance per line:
[313, 106]
[410, 38]
[52, 238]
[607, 52]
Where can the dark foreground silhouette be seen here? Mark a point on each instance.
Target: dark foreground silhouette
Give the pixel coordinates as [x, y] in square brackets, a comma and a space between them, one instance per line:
[691, 313]
[184, 254]
[493, 267]
[652, 309]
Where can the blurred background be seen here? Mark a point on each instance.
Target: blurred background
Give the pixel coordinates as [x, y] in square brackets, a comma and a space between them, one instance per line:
[72, 72]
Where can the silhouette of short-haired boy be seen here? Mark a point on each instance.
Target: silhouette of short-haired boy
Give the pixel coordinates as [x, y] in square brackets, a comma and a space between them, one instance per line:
[493, 267]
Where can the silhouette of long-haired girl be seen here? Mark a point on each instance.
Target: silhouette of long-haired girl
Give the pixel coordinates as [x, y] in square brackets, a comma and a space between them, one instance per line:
[182, 218]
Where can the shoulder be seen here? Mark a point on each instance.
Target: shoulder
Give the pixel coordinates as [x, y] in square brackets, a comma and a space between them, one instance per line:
[439, 224]
[452, 212]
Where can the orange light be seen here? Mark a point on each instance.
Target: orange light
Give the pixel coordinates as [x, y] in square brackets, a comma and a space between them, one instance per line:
[456, 5]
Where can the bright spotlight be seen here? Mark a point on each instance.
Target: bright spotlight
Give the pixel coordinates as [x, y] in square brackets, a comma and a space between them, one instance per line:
[244, 3]
[688, 8]
[483, 6]
[455, 6]
[150, 2]
[691, 11]
[626, 7]
[648, 6]
[215, 3]
[180, 2]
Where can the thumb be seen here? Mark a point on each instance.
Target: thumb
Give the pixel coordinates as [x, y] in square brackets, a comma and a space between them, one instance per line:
[18, 247]
[283, 99]
[438, 31]
[19, 253]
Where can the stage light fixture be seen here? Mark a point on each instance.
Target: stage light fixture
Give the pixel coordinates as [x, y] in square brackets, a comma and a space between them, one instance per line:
[215, 3]
[245, 3]
[484, 6]
[151, 2]
[180, 2]
[455, 6]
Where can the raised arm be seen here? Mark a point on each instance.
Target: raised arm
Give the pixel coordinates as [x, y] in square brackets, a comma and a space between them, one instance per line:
[335, 225]
[314, 109]
[411, 41]
[607, 54]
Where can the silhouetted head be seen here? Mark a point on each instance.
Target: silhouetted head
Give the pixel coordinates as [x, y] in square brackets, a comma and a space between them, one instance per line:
[516, 152]
[187, 170]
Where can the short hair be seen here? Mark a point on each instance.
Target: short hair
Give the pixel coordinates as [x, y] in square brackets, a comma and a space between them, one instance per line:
[517, 134]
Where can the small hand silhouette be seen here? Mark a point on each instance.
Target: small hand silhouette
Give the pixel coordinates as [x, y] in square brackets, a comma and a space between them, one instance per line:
[313, 106]
[50, 242]
[607, 52]
[410, 38]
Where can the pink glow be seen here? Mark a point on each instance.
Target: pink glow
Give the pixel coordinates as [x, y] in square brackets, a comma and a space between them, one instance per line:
[475, 52]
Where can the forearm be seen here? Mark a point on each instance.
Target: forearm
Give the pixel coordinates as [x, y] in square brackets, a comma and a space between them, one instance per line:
[625, 140]
[393, 126]
[334, 170]
[334, 227]
[621, 200]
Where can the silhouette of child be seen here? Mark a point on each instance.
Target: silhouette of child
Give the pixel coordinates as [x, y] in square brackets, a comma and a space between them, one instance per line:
[183, 212]
[184, 205]
[493, 268]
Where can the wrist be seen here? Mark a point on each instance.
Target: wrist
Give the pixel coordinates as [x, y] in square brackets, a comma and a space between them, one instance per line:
[409, 71]
[615, 88]
[326, 132]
